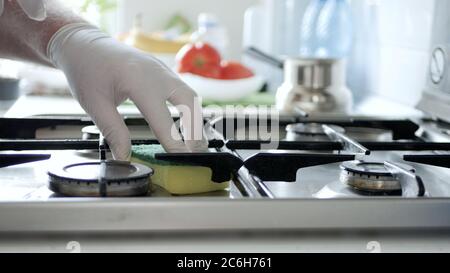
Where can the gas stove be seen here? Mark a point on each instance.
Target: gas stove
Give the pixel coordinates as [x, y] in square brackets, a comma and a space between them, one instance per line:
[307, 173]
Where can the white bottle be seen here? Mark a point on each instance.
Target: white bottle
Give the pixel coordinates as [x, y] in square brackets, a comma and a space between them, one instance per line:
[210, 31]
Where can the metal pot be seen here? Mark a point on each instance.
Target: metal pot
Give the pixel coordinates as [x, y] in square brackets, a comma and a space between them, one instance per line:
[308, 84]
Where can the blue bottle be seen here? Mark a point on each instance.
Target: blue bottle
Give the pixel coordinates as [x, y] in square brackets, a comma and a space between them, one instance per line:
[308, 35]
[327, 30]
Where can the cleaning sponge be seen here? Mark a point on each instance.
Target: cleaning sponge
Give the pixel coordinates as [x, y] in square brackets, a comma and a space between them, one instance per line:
[178, 179]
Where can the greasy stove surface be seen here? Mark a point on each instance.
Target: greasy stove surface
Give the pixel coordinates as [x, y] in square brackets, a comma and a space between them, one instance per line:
[29, 182]
[314, 180]
[316, 199]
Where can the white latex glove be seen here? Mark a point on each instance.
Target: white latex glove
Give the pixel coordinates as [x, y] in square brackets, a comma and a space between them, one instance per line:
[103, 73]
[35, 9]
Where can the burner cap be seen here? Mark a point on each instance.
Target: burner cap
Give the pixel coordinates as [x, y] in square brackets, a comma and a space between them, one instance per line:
[122, 178]
[372, 177]
[90, 132]
[311, 129]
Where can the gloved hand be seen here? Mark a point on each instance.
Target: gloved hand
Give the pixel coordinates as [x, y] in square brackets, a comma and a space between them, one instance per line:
[103, 73]
[35, 9]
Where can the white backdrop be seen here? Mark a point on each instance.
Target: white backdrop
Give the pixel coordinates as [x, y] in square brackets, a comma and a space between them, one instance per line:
[392, 38]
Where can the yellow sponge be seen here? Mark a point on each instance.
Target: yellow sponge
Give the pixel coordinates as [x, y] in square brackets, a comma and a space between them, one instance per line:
[176, 178]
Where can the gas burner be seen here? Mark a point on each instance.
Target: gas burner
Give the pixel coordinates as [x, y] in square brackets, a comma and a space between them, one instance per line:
[369, 134]
[90, 132]
[339, 190]
[309, 132]
[372, 178]
[121, 179]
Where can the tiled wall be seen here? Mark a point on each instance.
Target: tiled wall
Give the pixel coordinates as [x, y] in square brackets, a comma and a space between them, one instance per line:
[391, 53]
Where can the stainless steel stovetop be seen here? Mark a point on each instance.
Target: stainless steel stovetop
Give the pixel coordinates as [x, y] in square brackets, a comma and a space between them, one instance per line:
[301, 185]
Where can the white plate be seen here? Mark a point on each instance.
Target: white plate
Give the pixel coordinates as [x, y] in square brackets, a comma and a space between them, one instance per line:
[223, 90]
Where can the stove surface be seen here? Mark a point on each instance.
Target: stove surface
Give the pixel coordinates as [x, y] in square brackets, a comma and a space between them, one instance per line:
[30, 182]
[309, 193]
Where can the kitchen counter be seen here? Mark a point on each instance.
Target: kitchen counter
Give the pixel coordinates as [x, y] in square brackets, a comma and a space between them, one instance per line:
[28, 106]
[59, 105]
[63, 105]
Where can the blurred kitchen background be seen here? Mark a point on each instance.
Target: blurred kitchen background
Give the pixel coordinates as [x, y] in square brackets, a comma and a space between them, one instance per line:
[388, 58]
